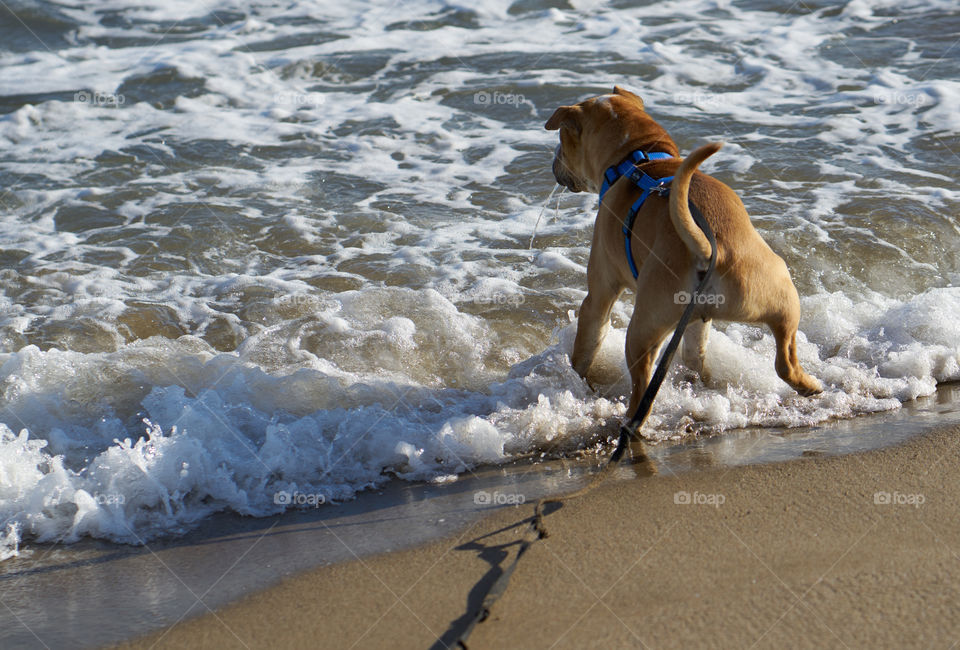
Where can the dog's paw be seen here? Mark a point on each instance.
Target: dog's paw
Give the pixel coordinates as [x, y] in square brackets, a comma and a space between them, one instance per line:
[809, 387]
[691, 376]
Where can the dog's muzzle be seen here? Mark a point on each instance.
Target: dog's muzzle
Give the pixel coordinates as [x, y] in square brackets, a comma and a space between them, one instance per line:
[562, 173]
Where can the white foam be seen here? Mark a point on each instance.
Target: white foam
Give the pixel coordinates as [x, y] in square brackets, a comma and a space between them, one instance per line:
[247, 435]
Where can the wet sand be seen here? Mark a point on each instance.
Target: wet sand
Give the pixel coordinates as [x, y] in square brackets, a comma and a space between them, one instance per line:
[861, 550]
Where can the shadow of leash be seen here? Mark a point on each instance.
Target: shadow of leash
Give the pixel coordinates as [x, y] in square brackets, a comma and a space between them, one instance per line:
[493, 583]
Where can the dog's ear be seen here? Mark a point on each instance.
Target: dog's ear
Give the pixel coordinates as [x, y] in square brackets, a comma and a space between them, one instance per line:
[568, 116]
[617, 90]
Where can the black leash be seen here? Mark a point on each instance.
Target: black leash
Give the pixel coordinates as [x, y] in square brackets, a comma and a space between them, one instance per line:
[537, 530]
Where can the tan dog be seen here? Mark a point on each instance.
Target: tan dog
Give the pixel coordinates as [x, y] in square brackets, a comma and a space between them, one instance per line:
[751, 283]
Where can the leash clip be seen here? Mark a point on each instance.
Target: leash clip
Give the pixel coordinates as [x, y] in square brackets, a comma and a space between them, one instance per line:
[663, 188]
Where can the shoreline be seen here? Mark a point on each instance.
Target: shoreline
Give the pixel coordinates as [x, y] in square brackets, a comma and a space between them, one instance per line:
[802, 553]
[228, 557]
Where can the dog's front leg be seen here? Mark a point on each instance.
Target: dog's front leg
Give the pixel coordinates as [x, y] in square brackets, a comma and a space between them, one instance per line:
[594, 318]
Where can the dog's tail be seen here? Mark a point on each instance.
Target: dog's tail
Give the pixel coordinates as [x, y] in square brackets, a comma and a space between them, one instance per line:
[689, 232]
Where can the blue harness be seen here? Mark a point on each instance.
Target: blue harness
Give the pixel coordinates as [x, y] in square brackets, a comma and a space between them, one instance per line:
[646, 183]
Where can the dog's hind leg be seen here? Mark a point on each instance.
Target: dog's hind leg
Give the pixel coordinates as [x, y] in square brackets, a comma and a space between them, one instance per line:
[788, 366]
[643, 343]
[784, 327]
[655, 316]
[694, 347]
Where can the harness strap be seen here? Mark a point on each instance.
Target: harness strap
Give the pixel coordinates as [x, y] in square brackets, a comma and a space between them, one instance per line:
[648, 184]
[628, 168]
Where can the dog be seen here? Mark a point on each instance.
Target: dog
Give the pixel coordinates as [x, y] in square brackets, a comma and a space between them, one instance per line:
[751, 283]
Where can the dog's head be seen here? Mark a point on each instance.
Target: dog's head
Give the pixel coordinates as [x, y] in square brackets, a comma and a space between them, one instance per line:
[584, 128]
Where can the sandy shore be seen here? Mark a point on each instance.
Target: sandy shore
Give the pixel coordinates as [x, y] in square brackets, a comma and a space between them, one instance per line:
[799, 554]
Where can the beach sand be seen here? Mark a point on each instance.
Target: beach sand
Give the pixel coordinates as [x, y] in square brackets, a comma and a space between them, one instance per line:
[798, 554]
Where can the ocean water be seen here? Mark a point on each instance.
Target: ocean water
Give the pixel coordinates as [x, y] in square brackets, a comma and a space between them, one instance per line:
[265, 255]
